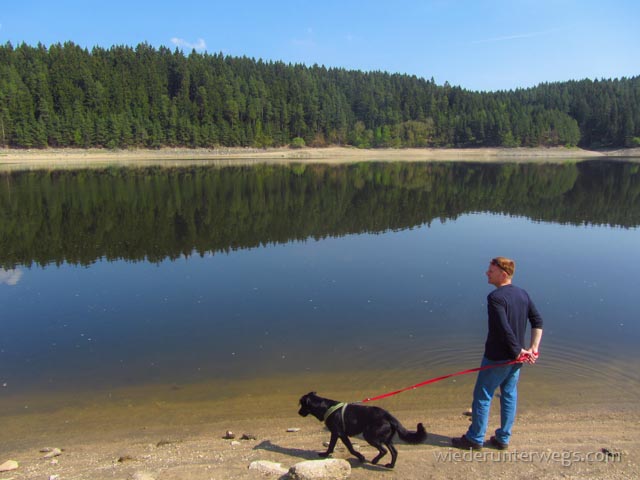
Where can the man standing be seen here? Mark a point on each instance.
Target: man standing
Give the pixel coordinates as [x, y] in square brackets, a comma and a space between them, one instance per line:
[509, 307]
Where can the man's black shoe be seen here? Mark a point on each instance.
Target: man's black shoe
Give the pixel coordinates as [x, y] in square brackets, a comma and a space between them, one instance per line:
[498, 444]
[464, 443]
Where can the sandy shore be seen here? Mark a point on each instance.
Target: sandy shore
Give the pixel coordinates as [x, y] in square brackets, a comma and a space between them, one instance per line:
[58, 157]
[176, 433]
[550, 444]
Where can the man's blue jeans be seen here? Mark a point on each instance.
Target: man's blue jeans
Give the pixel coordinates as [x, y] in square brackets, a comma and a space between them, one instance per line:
[486, 384]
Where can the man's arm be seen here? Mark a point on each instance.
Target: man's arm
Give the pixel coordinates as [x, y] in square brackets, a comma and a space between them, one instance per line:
[536, 332]
[536, 336]
[532, 352]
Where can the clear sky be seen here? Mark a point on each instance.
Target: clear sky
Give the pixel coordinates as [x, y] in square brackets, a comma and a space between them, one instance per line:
[475, 44]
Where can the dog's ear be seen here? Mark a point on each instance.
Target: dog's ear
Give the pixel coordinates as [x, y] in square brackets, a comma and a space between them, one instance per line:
[304, 400]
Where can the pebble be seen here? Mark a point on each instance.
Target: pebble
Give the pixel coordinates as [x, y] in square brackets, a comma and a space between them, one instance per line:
[8, 466]
[468, 412]
[142, 476]
[248, 436]
[54, 452]
[268, 468]
[235, 443]
[610, 453]
[229, 435]
[162, 443]
[293, 430]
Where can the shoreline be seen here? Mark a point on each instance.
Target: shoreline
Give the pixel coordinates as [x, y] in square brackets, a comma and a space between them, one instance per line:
[54, 157]
[175, 432]
[555, 442]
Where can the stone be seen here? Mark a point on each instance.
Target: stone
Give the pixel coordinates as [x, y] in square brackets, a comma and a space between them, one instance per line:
[265, 467]
[248, 436]
[330, 469]
[54, 452]
[229, 435]
[293, 430]
[610, 453]
[164, 442]
[8, 466]
[142, 476]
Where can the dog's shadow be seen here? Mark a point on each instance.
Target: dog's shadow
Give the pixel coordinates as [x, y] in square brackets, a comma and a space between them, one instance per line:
[291, 452]
[312, 455]
[433, 439]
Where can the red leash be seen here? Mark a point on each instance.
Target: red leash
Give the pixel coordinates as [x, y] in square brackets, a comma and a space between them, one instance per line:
[522, 358]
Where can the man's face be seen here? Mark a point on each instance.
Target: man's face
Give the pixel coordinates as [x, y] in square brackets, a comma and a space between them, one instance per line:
[495, 275]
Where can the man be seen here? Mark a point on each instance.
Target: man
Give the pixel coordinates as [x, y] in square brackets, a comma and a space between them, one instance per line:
[509, 307]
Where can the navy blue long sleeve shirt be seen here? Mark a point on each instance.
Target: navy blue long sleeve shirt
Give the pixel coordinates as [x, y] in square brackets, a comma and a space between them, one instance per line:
[509, 307]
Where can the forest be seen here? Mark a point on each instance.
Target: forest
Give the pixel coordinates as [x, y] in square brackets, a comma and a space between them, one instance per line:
[154, 213]
[146, 97]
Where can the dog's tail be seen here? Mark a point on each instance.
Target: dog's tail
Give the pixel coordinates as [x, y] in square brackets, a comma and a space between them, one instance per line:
[408, 436]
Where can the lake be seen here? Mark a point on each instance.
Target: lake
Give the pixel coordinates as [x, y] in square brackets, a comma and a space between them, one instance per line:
[193, 287]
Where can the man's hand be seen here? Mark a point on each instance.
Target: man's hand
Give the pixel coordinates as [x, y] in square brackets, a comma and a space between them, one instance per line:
[528, 356]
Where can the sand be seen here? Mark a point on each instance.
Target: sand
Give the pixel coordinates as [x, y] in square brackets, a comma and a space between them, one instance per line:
[550, 443]
[562, 431]
[61, 158]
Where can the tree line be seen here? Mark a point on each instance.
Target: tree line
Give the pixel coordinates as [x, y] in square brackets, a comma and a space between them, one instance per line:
[153, 213]
[121, 97]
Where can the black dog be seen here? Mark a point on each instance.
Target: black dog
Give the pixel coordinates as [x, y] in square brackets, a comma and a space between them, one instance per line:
[376, 425]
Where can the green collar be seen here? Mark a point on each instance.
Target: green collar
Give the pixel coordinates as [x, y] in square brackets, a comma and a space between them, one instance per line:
[333, 409]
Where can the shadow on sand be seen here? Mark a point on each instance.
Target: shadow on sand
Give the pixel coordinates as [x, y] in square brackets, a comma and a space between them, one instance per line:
[433, 439]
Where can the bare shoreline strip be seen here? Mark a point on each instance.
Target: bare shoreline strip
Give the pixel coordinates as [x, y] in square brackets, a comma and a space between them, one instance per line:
[55, 157]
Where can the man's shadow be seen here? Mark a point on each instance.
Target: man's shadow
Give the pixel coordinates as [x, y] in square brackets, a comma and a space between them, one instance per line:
[437, 440]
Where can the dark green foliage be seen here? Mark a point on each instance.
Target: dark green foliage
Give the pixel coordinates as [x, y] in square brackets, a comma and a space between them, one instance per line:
[79, 216]
[66, 96]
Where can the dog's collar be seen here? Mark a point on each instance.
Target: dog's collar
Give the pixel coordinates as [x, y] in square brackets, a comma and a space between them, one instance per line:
[333, 409]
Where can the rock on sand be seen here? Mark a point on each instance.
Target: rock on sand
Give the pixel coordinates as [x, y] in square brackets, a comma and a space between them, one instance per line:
[331, 469]
[8, 466]
[268, 468]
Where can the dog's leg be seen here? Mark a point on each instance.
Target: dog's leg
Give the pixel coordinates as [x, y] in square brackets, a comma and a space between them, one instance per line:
[354, 452]
[394, 455]
[332, 445]
[382, 451]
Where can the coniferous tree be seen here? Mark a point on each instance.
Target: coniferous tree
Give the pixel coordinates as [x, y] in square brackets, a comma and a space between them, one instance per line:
[67, 96]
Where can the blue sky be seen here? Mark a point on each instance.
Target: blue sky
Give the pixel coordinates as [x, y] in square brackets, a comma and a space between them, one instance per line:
[478, 45]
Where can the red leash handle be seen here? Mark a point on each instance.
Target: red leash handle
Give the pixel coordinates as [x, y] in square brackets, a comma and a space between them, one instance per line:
[521, 359]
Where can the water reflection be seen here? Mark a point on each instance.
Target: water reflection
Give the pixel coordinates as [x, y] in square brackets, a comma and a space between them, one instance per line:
[10, 277]
[156, 213]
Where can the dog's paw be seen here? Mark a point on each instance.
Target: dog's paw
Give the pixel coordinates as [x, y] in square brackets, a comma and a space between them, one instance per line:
[324, 454]
[389, 465]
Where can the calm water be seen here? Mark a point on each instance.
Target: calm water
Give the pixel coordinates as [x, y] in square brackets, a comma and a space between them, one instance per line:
[116, 277]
